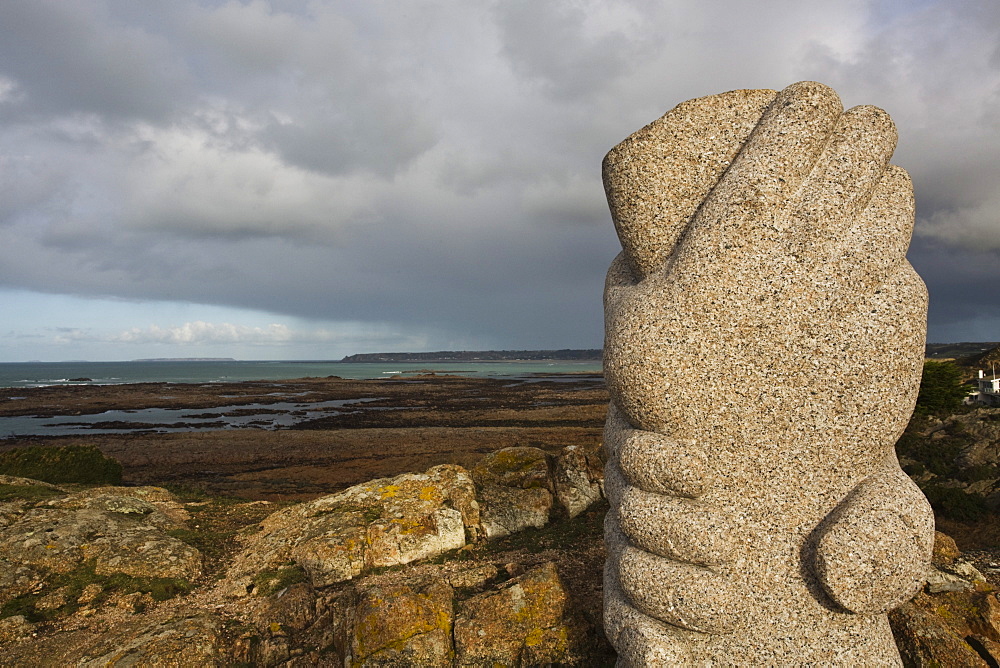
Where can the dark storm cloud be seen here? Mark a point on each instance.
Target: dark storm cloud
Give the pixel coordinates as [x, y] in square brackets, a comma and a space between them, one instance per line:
[435, 167]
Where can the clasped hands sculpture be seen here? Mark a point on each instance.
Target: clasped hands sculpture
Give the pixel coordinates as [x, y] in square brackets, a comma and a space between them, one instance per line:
[764, 341]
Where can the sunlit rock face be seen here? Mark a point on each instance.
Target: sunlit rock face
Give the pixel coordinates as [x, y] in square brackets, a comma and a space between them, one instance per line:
[764, 339]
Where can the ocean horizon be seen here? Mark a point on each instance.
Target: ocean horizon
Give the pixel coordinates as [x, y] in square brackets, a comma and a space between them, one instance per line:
[41, 374]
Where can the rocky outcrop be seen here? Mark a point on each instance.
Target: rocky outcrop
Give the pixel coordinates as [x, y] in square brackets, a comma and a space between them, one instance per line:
[521, 624]
[109, 530]
[405, 623]
[381, 523]
[313, 584]
[955, 620]
[578, 479]
[516, 489]
[476, 607]
[185, 640]
[423, 619]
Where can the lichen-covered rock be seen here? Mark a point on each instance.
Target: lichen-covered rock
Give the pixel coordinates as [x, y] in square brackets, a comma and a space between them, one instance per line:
[383, 522]
[925, 640]
[402, 624]
[952, 628]
[150, 554]
[520, 625]
[169, 513]
[186, 641]
[519, 466]
[115, 528]
[578, 479]
[515, 490]
[945, 550]
[15, 627]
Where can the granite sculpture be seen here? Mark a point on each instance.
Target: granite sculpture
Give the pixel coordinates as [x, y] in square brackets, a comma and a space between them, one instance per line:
[764, 340]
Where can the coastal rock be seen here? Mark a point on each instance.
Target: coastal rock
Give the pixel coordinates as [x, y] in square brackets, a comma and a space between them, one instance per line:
[939, 581]
[170, 514]
[981, 427]
[578, 479]
[520, 625]
[112, 528]
[188, 640]
[402, 624]
[948, 629]
[925, 640]
[15, 627]
[384, 522]
[17, 481]
[945, 550]
[515, 490]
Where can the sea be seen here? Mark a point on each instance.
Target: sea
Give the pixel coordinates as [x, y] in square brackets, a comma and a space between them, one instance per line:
[273, 415]
[40, 374]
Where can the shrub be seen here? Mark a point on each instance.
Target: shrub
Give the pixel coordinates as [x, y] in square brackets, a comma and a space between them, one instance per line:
[71, 463]
[953, 503]
[935, 455]
[942, 389]
[271, 582]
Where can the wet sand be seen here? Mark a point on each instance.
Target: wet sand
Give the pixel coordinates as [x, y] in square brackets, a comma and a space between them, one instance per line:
[397, 425]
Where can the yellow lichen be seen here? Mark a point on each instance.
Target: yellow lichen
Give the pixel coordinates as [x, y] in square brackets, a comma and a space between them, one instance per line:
[534, 637]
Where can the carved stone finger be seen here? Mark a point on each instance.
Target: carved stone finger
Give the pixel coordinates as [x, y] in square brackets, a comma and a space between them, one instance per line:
[671, 527]
[654, 462]
[640, 640]
[687, 596]
[735, 226]
[880, 234]
[840, 185]
[672, 164]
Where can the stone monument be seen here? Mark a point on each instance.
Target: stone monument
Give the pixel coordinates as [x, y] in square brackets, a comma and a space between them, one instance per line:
[764, 340]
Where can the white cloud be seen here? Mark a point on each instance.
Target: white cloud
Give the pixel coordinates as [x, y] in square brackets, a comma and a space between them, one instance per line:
[191, 182]
[975, 227]
[200, 333]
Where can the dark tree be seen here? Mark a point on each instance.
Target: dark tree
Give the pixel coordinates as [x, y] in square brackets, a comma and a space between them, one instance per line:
[942, 389]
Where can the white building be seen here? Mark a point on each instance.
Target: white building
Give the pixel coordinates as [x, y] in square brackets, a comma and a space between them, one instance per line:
[987, 391]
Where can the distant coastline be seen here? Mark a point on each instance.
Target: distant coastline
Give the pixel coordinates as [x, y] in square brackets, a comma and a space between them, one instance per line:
[479, 356]
[186, 359]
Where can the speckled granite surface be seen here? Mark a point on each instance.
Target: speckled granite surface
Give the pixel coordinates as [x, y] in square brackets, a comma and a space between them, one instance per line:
[763, 346]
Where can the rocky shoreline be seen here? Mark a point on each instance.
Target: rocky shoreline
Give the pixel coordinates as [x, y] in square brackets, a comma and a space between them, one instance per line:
[462, 528]
[387, 427]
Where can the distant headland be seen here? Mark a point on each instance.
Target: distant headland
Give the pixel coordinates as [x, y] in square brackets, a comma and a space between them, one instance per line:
[478, 356]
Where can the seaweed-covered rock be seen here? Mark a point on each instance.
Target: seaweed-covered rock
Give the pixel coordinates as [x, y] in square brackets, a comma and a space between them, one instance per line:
[520, 625]
[515, 489]
[383, 522]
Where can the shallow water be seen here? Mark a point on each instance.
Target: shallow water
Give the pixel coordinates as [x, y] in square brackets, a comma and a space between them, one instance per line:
[37, 374]
[165, 420]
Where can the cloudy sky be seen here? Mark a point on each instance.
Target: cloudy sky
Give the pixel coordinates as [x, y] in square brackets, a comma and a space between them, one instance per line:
[308, 179]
